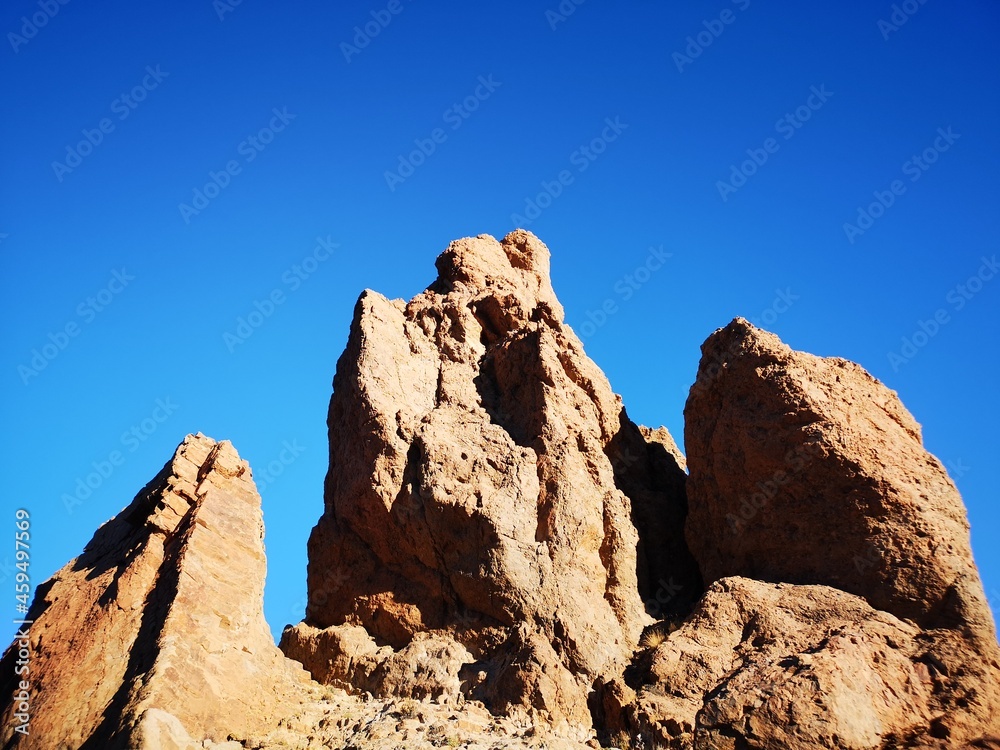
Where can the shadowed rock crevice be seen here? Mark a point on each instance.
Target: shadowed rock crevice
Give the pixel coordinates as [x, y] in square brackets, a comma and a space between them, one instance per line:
[649, 470]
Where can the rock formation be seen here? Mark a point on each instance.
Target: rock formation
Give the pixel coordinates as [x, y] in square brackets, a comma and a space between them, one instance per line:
[809, 470]
[157, 630]
[766, 665]
[487, 498]
[505, 560]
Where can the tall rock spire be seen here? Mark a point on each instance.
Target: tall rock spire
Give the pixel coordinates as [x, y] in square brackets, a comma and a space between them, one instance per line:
[482, 488]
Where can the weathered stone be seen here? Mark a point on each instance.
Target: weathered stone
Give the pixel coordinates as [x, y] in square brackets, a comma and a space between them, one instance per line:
[774, 666]
[503, 560]
[483, 483]
[809, 470]
[156, 634]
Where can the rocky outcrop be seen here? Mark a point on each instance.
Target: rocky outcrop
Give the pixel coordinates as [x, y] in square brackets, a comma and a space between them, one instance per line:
[809, 471]
[505, 560]
[765, 665]
[485, 487]
[155, 634]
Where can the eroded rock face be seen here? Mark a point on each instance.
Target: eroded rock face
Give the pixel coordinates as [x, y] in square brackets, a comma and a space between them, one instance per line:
[496, 537]
[156, 634]
[809, 470]
[776, 666]
[483, 484]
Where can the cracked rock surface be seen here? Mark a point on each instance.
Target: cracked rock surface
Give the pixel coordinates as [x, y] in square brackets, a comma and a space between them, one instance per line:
[482, 488]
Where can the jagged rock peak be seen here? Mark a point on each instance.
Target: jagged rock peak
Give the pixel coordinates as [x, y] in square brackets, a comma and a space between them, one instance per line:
[483, 499]
[154, 633]
[480, 264]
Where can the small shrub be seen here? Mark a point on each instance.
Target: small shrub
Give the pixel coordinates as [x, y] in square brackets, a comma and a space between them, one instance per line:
[657, 634]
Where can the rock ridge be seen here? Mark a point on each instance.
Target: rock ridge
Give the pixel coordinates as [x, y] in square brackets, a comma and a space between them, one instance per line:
[505, 560]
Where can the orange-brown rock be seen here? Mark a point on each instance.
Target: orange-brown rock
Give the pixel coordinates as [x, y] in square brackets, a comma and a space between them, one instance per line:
[486, 486]
[505, 560]
[155, 634]
[807, 470]
[765, 666]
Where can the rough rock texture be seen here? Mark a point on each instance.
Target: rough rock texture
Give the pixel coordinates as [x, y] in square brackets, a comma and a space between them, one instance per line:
[504, 560]
[156, 634]
[334, 718]
[482, 487]
[775, 666]
[810, 471]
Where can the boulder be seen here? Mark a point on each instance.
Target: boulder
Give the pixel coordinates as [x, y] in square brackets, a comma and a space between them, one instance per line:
[809, 470]
[774, 666]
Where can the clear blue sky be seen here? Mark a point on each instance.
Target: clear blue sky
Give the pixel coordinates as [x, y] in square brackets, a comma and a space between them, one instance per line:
[837, 103]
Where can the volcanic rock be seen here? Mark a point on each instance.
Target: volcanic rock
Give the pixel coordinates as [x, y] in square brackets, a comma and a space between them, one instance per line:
[807, 470]
[156, 634]
[485, 486]
[505, 560]
[777, 666]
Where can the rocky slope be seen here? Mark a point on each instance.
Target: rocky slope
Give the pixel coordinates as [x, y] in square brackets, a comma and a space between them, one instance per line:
[504, 560]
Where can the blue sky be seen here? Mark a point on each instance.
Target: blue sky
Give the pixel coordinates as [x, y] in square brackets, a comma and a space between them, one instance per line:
[167, 168]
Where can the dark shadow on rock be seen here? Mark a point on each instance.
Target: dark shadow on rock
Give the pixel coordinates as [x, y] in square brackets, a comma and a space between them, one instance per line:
[670, 581]
[111, 734]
